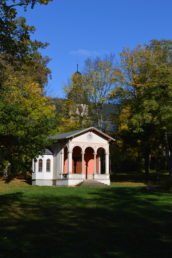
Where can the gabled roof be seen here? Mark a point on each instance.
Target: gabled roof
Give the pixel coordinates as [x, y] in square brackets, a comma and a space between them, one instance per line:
[72, 134]
[47, 152]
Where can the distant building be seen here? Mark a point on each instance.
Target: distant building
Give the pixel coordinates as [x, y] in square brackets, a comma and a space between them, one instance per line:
[105, 118]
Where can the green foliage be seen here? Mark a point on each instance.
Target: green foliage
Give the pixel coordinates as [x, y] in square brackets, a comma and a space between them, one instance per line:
[27, 117]
[146, 97]
[17, 50]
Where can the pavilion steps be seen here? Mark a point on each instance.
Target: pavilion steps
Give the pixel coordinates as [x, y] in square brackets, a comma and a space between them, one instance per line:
[91, 183]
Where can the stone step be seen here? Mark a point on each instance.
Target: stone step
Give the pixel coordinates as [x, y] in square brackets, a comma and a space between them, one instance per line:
[91, 182]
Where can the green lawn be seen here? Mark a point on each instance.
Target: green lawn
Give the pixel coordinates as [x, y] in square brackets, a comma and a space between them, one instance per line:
[90, 222]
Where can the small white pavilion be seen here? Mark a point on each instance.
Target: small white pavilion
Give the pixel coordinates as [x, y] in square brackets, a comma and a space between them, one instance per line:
[74, 157]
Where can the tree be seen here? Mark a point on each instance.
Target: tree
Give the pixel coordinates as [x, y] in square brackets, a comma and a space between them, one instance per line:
[87, 93]
[16, 47]
[27, 120]
[75, 105]
[146, 94]
[100, 78]
[27, 117]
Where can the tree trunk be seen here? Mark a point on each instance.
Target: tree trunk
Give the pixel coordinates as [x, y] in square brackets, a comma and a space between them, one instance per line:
[158, 165]
[170, 164]
[6, 170]
[147, 159]
[167, 151]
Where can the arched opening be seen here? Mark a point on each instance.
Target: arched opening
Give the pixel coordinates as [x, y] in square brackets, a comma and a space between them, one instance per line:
[48, 165]
[40, 165]
[65, 169]
[100, 160]
[77, 160]
[89, 162]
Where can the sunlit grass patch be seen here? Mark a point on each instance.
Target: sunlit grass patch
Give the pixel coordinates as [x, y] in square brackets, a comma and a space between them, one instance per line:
[128, 184]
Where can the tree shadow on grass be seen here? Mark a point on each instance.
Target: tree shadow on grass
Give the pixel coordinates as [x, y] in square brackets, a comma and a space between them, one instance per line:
[109, 222]
[139, 177]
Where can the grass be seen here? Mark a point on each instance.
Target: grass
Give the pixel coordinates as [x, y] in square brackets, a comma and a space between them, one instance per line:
[128, 184]
[124, 222]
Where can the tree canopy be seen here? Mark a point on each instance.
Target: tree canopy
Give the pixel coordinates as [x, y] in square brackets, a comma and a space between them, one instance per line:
[27, 117]
[146, 97]
[141, 86]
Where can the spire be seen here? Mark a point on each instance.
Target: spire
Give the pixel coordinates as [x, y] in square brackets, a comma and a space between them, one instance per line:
[77, 70]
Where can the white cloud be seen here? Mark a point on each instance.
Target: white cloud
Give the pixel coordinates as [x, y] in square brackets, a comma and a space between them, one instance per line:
[87, 53]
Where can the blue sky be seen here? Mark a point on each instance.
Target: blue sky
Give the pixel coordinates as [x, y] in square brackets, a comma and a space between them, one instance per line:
[78, 29]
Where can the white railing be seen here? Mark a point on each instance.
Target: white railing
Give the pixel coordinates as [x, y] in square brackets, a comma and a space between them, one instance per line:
[72, 176]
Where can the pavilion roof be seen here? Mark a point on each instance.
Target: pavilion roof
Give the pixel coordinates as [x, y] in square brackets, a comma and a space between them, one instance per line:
[73, 134]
